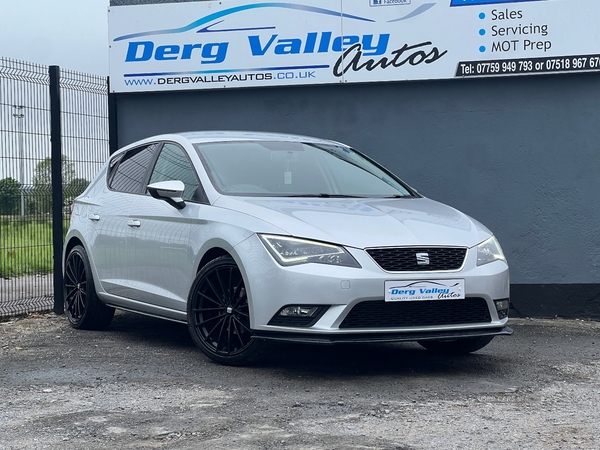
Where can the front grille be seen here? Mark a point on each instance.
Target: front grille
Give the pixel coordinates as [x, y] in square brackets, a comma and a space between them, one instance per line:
[381, 314]
[404, 259]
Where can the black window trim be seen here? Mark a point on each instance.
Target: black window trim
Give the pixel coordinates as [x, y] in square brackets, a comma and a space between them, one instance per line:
[121, 156]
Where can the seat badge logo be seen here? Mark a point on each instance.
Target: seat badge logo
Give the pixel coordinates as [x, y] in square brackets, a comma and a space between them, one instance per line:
[422, 259]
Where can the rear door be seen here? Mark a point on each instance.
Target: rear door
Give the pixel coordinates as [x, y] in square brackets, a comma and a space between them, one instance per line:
[108, 219]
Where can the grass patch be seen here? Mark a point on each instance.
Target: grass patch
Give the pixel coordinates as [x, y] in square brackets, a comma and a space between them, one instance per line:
[26, 246]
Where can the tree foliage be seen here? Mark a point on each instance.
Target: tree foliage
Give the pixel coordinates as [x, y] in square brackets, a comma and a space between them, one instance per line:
[42, 182]
[43, 172]
[10, 196]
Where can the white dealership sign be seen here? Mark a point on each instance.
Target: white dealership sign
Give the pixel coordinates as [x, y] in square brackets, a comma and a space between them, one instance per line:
[240, 43]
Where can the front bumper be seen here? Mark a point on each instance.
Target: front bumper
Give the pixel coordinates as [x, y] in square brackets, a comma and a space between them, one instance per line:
[271, 287]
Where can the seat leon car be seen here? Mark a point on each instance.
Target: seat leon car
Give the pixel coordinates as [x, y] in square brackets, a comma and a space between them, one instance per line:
[257, 238]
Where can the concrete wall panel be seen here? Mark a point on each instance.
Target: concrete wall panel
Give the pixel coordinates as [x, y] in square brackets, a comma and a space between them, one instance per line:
[520, 154]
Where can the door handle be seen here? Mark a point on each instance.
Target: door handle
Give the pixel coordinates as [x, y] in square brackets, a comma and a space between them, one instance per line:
[134, 223]
[94, 217]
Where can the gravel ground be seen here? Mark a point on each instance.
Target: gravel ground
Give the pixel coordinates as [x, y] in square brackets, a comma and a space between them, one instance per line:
[143, 384]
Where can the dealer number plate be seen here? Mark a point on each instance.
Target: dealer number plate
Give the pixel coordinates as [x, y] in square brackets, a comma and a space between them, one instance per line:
[406, 291]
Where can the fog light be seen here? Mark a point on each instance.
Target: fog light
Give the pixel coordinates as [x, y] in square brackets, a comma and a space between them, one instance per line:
[502, 308]
[298, 315]
[299, 311]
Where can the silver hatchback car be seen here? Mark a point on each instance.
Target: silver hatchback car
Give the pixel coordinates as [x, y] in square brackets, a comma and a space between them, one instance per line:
[257, 238]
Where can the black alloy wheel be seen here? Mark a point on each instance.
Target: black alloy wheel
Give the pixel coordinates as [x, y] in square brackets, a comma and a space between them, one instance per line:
[219, 314]
[83, 308]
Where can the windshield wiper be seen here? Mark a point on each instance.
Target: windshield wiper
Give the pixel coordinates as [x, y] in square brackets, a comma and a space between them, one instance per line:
[324, 195]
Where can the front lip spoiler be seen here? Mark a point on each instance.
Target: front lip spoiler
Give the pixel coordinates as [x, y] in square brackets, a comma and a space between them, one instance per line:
[378, 337]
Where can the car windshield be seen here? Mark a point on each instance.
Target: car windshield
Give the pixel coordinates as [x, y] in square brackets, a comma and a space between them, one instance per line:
[295, 169]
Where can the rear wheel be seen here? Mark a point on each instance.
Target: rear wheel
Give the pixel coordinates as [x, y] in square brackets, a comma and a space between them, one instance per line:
[219, 315]
[83, 308]
[457, 346]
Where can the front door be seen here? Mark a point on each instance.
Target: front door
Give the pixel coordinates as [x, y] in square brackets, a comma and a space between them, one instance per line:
[159, 248]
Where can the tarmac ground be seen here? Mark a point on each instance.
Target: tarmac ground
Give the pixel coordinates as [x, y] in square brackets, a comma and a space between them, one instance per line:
[143, 384]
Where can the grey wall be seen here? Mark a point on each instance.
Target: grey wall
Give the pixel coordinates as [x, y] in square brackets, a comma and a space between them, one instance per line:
[520, 154]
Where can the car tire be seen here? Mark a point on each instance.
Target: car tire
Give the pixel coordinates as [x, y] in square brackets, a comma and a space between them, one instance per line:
[457, 346]
[219, 315]
[83, 308]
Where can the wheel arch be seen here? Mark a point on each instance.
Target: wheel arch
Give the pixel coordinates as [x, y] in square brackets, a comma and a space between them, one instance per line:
[210, 254]
[74, 239]
[73, 242]
[68, 246]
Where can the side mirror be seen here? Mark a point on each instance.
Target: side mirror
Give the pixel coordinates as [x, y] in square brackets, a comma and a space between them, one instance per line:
[170, 191]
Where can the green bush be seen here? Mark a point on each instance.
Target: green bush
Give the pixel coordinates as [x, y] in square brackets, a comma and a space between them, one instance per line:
[10, 196]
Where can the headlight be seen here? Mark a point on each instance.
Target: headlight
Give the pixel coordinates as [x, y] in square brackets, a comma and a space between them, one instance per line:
[290, 251]
[489, 251]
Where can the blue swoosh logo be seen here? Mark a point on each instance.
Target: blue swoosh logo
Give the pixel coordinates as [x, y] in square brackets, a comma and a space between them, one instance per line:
[207, 28]
[420, 10]
[229, 11]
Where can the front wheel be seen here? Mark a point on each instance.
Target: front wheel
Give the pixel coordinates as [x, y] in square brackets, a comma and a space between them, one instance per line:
[83, 307]
[219, 315]
[457, 346]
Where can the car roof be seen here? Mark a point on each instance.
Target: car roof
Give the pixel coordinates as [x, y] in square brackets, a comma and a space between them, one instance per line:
[197, 137]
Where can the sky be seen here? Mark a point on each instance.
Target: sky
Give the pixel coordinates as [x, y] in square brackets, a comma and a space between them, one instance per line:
[72, 34]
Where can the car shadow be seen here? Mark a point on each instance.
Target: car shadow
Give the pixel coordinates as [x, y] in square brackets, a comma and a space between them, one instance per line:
[377, 359]
[150, 330]
[321, 361]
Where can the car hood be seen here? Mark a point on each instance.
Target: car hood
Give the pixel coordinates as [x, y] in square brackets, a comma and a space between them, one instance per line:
[363, 223]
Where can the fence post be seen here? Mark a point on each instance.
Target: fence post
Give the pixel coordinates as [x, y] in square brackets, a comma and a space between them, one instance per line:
[57, 198]
[113, 136]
